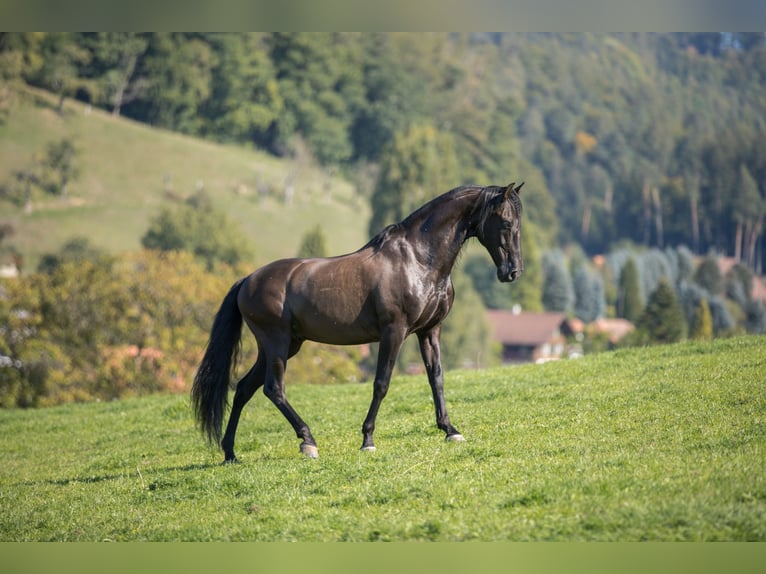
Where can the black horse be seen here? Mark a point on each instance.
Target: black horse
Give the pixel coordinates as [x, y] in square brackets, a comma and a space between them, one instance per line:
[396, 285]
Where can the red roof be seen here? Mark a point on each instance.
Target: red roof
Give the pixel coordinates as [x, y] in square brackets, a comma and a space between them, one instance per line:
[524, 328]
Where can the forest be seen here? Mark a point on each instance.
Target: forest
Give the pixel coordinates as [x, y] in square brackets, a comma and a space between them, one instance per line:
[643, 148]
[652, 138]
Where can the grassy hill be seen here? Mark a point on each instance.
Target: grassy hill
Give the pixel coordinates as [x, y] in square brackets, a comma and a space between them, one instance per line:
[129, 170]
[664, 443]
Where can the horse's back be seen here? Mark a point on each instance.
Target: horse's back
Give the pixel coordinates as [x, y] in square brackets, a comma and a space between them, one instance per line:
[323, 299]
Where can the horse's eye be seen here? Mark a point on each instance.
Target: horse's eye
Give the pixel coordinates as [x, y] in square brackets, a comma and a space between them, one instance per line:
[507, 225]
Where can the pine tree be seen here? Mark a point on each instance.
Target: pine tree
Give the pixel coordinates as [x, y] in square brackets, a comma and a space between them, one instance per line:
[663, 319]
[702, 325]
[629, 305]
[708, 275]
[558, 294]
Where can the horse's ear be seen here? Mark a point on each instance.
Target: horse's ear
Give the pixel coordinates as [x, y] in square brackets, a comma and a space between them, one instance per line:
[508, 191]
[518, 189]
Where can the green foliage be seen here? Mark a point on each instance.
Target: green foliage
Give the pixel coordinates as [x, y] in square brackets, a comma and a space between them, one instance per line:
[558, 294]
[415, 167]
[50, 172]
[314, 243]
[466, 334]
[708, 275]
[105, 328]
[656, 444]
[629, 304]
[663, 319]
[609, 130]
[325, 365]
[589, 294]
[702, 324]
[196, 226]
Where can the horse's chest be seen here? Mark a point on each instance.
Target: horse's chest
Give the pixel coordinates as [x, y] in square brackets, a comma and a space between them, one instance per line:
[428, 304]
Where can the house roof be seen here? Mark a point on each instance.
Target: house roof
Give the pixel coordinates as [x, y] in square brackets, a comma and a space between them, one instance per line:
[615, 328]
[524, 328]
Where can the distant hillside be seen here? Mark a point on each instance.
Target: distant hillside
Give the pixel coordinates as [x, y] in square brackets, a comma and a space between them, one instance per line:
[128, 171]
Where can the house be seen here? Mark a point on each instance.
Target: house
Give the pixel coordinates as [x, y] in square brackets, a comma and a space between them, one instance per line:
[530, 337]
[615, 328]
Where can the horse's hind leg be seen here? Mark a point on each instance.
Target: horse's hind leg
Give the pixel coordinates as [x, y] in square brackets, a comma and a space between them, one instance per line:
[246, 388]
[274, 389]
[431, 353]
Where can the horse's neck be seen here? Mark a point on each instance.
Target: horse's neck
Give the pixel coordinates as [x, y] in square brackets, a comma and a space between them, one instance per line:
[439, 234]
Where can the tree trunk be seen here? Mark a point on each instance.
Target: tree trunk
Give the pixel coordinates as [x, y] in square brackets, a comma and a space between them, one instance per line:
[658, 217]
[585, 228]
[755, 233]
[738, 242]
[119, 96]
[695, 221]
[645, 192]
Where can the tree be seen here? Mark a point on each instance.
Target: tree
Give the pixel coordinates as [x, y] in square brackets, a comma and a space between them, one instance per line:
[663, 319]
[50, 171]
[415, 167]
[321, 88]
[178, 72]
[708, 275]
[245, 100]
[113, 68]
[747, 204]
[61, 56]
[589, 295]
[629, 304]
[313, 244]
[60, 167]
[702, 324]
[77, 249]
[196, 226]
[755, 321]
[558, 294]
[466, 334]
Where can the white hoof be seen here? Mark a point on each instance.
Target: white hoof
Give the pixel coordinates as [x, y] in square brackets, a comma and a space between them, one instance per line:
[455, 438]
[368, 448]
[309, 451]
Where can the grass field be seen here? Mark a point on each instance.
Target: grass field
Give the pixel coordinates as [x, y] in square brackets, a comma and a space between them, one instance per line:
[664, 443]
[129, 170]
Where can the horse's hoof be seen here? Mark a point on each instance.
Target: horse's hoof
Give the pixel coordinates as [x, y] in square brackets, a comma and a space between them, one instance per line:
[455, 438]
[234, 460]
[370, 448]
[309, 450]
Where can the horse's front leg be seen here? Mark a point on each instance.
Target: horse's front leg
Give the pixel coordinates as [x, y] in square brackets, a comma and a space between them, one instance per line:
[430, 350]
[390, 344]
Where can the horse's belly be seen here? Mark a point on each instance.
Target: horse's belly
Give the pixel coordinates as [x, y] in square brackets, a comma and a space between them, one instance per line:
[333, 315]
[334, 328]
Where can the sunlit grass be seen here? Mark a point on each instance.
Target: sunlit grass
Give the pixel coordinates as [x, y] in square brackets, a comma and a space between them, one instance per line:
[667, 443]
[129, 170]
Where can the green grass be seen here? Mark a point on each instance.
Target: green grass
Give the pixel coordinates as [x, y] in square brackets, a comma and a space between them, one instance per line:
[124, 166]
[666, 443]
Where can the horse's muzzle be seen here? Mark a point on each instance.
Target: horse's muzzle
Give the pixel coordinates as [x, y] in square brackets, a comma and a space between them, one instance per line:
[507, 274]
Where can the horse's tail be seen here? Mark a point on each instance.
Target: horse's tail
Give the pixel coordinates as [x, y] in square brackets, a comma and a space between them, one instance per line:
[210, 391]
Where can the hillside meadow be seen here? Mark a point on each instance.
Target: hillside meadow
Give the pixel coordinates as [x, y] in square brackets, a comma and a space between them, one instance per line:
[128, 171]
[654, 444]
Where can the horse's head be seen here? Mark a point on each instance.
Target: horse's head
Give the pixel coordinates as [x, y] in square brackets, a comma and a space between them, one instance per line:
[499, 231]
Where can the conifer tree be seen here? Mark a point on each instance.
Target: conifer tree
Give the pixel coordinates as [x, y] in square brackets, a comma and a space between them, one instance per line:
[629, 305]
[702, 325]
[558, 294]
[663, 319]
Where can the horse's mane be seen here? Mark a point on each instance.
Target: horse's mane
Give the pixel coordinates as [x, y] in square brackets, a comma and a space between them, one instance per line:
[483, 204]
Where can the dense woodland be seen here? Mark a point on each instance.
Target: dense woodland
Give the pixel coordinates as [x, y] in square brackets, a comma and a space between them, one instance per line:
[654, 138]
[647, 148]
